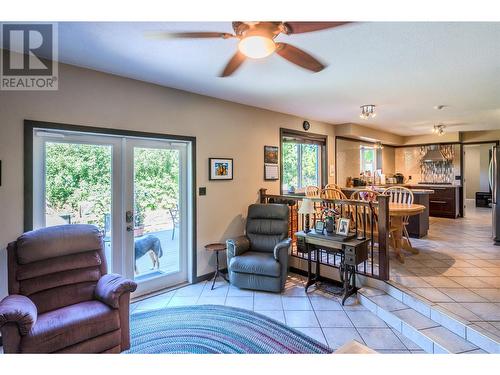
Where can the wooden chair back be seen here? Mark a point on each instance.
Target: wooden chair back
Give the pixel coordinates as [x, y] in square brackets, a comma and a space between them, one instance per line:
[366, 220]
[399, 194]
[312, 191]
[332, 194]
[332, 186]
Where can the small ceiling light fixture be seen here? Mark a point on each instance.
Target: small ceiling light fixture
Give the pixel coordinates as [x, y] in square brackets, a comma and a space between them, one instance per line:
[256, 46]
[439, 129]
[367, 111]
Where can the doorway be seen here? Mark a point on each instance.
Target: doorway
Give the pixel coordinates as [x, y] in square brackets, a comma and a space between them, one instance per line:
[137, 190]
[476, 190]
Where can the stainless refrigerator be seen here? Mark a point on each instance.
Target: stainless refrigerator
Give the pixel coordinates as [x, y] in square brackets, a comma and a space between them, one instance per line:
[494, 177]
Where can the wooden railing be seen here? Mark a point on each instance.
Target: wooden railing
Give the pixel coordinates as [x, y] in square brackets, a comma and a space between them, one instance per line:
[368, 220]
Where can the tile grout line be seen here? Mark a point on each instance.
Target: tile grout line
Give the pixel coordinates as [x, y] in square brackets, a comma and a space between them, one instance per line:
[319, 324]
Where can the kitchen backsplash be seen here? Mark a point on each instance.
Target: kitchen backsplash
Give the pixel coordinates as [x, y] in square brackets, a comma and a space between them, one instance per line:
[408, 161]
[437, 171]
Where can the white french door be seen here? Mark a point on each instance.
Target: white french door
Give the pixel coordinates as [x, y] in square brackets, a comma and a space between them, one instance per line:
[135, 190]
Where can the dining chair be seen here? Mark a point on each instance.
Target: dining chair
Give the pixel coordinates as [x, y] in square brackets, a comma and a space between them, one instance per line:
[312, 191]
[366, 221]
[332, 194]
[365, 217]
[401, 195]
[332, 186]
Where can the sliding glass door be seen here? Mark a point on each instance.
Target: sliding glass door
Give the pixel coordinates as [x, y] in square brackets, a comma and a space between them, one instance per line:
[135, 190]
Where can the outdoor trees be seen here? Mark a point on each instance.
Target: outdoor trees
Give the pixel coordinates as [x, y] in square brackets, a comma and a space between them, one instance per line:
[78, 181]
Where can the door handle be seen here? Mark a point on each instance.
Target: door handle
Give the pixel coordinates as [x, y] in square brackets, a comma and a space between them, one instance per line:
[442, 202]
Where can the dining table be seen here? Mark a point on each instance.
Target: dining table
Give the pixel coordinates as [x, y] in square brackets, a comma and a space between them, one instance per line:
[399, 213]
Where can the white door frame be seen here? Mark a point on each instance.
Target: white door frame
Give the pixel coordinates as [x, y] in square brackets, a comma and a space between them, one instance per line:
[118, 140]
[156, 283]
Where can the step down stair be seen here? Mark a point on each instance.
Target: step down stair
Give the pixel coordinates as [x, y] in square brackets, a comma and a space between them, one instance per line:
[428, 326]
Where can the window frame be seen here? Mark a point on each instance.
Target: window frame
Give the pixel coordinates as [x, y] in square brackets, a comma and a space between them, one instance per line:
[362, 150]
[307, 138]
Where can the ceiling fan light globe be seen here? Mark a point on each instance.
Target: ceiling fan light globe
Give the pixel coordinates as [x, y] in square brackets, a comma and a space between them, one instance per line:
[256, 47]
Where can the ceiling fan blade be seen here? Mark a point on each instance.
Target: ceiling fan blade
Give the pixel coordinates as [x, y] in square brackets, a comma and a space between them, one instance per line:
[233, 64]
[299, 57]
[305, 27]
[188, 35]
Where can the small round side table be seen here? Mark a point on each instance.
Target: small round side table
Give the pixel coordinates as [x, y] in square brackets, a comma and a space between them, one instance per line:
[217, 247]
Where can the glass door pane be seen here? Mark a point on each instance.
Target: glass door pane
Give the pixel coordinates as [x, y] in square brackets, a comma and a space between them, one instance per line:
[157, 214]
[77, 186]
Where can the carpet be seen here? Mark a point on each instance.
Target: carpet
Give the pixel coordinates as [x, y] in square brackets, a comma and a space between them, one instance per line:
[207, 329]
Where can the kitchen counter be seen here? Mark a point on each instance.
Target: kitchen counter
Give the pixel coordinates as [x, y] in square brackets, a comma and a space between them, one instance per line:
[381, 188]
[433, 185]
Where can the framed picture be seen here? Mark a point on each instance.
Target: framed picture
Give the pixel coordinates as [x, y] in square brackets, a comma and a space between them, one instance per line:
[319, 226]
[343, 226]
[271, 155]
[220, 169]
[271, 172]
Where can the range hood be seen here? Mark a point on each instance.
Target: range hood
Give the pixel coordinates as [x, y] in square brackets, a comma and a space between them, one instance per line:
[433, 156]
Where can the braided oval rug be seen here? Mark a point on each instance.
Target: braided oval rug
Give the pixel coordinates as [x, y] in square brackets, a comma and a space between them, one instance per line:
[215, 329]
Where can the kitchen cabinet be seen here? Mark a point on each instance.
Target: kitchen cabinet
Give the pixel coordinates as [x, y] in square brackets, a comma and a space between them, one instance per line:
[445, 202]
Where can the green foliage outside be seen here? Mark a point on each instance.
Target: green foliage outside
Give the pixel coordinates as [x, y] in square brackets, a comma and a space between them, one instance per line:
[309, 163]
[78, 181]
[156, 180]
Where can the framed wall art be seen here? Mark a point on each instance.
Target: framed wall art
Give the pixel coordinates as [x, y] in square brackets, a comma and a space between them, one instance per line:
[220, 169]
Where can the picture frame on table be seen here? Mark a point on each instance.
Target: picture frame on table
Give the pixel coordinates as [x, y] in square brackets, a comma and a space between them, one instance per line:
[343, 227]
[220, 169]
[319, 226]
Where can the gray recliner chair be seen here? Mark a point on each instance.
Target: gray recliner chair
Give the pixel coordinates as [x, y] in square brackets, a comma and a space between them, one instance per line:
[259, 260]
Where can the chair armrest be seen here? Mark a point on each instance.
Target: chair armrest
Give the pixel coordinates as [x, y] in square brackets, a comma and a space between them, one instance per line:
[19, 310]
[281, 249]
[237, 246]
[111, 286]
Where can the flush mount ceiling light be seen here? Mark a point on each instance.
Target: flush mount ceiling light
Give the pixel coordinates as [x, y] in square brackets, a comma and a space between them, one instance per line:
[439, 129]
[367, 111]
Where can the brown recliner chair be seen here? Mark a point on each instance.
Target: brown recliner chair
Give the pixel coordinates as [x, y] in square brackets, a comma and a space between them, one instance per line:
[61, 299]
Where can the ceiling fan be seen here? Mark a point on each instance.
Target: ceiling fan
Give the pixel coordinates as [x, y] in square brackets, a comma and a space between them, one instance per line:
[257, 40]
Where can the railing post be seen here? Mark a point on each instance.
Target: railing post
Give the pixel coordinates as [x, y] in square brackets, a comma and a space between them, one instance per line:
[383, 236]
[262, 195]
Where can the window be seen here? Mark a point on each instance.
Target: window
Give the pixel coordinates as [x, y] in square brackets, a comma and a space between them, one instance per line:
[302, 161]
[368, 159]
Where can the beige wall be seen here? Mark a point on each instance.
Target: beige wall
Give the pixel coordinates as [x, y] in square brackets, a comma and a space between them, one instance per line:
[222, 129]
[431, 138]
[407, 162]
[481, 136]
[348, 159]
[388, 160]
[368, 134]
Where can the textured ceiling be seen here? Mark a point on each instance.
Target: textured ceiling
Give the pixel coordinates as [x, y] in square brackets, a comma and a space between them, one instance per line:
[403, 68]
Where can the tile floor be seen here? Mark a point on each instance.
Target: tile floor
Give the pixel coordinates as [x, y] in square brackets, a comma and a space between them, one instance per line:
[458, 268]
[317, 314]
